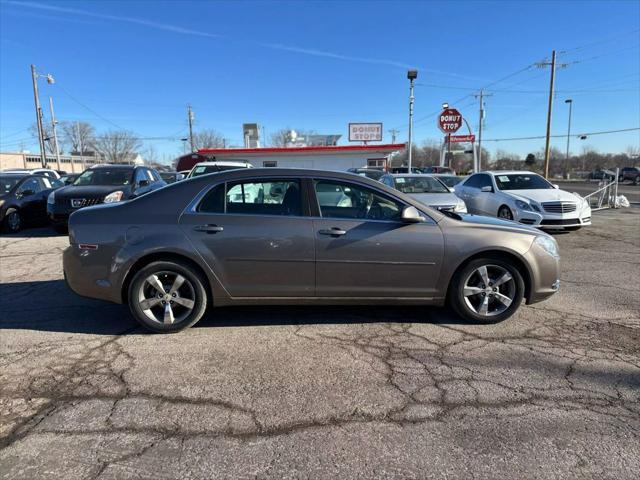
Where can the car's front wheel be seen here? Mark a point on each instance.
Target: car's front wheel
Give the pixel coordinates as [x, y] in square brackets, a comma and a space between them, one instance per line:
[12, 221]
[486, 290]
[504, 212]
[167, 297]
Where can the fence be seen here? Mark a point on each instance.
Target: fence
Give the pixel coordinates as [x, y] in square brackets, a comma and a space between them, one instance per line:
[605, 196]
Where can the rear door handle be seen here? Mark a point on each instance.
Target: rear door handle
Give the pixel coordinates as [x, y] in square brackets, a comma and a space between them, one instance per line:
[334, 232]
[208, 228]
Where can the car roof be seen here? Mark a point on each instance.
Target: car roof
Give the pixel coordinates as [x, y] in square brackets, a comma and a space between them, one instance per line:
[17, 174]
[417, 175]
[221, 162]
[106, 165]
[509, 172]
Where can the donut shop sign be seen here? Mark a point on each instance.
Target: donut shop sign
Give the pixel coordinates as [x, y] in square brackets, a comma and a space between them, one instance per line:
[365, 132]
[450, 120]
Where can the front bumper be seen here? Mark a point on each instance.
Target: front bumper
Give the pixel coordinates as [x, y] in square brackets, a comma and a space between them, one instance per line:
[551, 221]
[545, 274]
[59, 215]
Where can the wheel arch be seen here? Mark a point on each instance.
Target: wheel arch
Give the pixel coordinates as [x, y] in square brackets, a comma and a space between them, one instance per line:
[513, 258]
[163, 256]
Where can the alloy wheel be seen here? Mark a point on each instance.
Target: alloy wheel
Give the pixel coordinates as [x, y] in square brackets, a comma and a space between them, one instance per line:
[166, 297]
[489, 290]
[14, 221]
[505, 213]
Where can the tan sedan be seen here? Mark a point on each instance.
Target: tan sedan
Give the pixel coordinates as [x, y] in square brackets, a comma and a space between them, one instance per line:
[284, 236]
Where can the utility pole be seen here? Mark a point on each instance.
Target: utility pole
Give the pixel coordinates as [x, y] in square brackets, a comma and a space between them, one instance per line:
[547, 145]
[55, 134]
[84, 167]
[411, 75]
[190, 115]
[566, 160]
[393, 133]
[43, 153]
[481, 95]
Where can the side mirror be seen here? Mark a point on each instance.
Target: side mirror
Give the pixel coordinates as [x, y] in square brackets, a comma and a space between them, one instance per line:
[487, 189]
[412, 215]
[143, 183]
[556, 186]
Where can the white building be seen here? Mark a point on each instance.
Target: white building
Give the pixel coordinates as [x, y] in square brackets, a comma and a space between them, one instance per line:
[338, 158]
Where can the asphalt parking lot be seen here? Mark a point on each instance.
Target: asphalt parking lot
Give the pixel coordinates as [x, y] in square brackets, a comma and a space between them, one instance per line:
[276, 392]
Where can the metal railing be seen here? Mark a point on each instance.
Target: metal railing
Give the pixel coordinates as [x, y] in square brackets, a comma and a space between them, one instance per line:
[605, 196]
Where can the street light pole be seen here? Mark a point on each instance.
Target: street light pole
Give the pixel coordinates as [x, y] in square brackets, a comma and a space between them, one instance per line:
[55, 134]
[411, 75]
[190, 114]
[43, 153]
[566, 160]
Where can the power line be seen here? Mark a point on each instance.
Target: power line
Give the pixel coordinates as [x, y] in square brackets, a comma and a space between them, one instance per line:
[605, 132]
[89, 108]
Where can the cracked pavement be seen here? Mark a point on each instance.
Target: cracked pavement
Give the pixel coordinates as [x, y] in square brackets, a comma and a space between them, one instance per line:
[309, 392]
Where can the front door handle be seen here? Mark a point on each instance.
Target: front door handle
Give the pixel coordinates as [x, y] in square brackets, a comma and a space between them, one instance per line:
[334, 232]
[208, 228]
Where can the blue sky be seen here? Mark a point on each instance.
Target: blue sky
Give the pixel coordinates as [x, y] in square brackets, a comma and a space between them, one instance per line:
[320, 65]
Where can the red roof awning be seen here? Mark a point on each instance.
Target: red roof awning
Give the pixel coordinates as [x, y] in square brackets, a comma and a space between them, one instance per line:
[388, 147]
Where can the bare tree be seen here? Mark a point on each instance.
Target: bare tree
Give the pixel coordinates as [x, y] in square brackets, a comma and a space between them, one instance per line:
[77, 134]
[47, 133]
[208, 139]
[280, 138]
[118, 146]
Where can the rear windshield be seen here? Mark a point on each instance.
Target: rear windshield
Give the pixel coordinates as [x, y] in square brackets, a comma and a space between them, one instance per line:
[521, 181]
[204, 169]
[419, 185]
[450, 181]
[8, 182]
[105, 176]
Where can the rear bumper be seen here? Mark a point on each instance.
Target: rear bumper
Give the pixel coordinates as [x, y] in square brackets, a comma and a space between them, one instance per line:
[87, 274]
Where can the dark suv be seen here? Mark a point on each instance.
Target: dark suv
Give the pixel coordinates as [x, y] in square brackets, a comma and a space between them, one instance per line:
[631, 174]
[100, 184]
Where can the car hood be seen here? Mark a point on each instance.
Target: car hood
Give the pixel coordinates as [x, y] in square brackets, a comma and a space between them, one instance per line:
[436, 199]
[543, 195]
[72, 191]
[496, 222]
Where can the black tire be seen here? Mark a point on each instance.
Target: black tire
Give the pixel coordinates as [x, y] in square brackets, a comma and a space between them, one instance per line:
[193, 280]
[12, 221]
[505, 213]
[61, 229]
[456, 298]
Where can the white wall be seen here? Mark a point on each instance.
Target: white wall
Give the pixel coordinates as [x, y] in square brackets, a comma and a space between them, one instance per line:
[339, 161]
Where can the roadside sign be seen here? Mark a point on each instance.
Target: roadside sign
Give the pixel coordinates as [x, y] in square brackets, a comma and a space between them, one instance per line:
[450, 120]
[365, 132]
[460, 138]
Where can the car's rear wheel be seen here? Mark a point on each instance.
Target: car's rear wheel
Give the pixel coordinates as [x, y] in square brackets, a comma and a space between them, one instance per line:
[504, 212]
[167, 297]
[486, 290]
[12, 221]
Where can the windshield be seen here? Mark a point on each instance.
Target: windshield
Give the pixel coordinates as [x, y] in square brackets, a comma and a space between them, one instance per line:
[204, 169]
[105, 176]
[450, 181]
[7, 183]
[419, 185]
[522, 181]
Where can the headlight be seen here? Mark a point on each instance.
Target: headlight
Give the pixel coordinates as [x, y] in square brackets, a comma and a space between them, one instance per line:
[1, 202]
[460, 208]
[523, 205]
[114, 197]
[51, 199]
[548, 244]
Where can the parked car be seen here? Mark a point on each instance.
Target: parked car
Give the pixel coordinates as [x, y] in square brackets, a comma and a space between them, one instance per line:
[46, 172]
[599, 174]
[438, 169]
[372, 173]
[203, 168]
[100, 184]
[525, 197]
[426, 189]
[69, 178]
[23, 199]
[449, 180]
[205, 246]
[406, 170]
[630, 174]
[171, 177]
